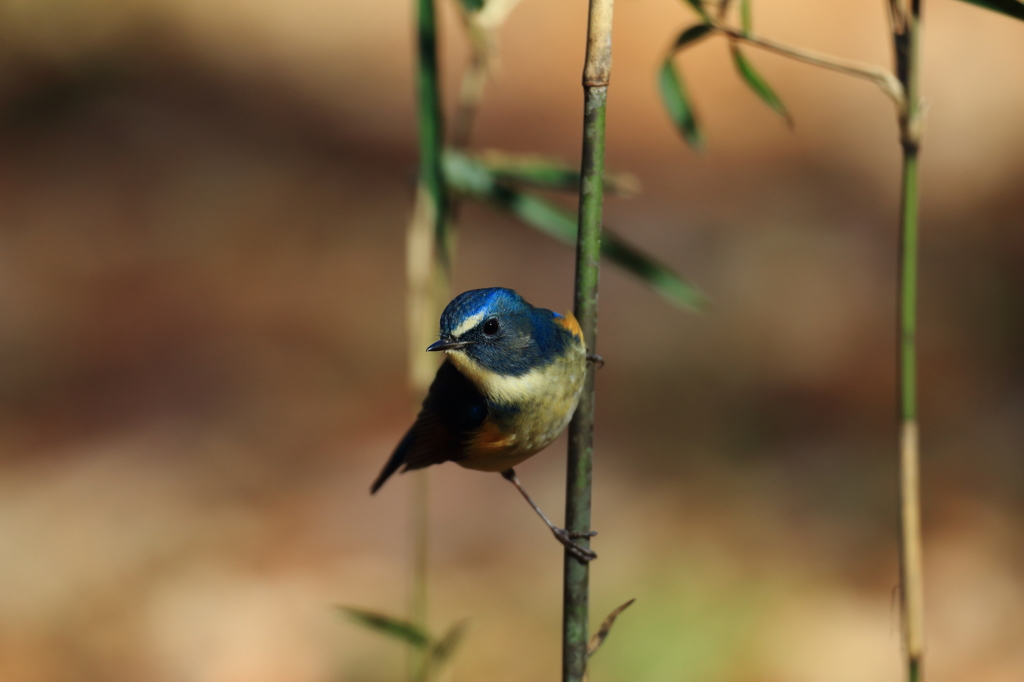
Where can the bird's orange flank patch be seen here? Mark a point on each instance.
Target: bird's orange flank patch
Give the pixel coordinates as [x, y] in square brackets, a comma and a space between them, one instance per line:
[488, 440]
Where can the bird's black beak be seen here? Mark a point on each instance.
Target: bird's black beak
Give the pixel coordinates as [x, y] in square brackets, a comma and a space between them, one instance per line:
[447, 345]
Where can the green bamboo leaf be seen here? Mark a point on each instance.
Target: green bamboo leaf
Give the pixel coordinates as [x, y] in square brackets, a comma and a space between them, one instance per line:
[759, 85]
[606, 627]
[1011, 8]
[443, 649]
[543, 175]
[673, 89]
[691, 35]
[656, 275]
[467, 175]
[472, 5]
[471, 178]
[746, 18]
[698, 7]
[561, 225]
[677, 103]
[386, 625]
[531, 170]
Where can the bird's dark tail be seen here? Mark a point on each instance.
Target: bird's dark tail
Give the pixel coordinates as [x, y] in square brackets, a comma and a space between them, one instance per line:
[394, 462]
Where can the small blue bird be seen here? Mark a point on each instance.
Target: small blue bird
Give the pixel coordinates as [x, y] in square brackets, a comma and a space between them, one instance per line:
[509, 386]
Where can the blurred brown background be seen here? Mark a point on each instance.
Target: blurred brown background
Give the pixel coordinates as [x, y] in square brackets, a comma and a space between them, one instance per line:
[202, 364]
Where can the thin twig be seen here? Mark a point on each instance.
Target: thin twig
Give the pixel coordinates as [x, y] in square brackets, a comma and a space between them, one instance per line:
[889, 84]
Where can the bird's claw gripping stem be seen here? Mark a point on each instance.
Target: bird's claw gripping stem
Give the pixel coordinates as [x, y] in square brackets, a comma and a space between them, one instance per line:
[584, 554]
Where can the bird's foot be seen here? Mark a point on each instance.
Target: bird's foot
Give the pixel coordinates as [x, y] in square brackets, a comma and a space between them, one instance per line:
[596, 359]
[584, 554]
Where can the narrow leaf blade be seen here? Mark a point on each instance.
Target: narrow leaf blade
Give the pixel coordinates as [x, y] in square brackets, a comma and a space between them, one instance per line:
[698, 7]
[443, 649]
[1011, 8]
[387, 625]
[677, 104]
[472, 5]
[758, 84]
[543, 175]
[560, 224]
[746, 17]
[602, 633]
[469, 177]
[531, 170]
[655, 274]
[691, 35]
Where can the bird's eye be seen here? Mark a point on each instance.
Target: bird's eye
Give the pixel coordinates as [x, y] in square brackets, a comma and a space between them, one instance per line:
[490, 327]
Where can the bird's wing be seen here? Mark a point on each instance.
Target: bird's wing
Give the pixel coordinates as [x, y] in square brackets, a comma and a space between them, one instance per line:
[452, 412]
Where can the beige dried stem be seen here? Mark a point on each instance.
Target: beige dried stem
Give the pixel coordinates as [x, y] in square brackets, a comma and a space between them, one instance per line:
[481, 29]
[885, 80]
[427, 291]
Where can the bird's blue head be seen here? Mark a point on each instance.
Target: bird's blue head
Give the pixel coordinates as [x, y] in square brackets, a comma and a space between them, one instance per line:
[501, 332]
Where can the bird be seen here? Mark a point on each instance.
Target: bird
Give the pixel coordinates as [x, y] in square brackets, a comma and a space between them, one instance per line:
[509, 385]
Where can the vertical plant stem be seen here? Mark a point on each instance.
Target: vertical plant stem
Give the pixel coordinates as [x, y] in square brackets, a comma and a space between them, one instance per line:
[596, 74]
[426, 294]
[431, 123]
[470, 93]
[906, 36]
[912, 589]
[419, 663]
[427, 269]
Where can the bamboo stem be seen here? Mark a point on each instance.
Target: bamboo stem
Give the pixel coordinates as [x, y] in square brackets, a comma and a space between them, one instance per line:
[427, 265]
[906, 21]
[431, 123]
[596, 74]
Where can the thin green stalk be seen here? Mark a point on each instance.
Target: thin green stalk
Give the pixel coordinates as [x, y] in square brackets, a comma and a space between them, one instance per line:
[906, 22]
[911, 563]
[427, 268]
[576, 577]
[431, 123]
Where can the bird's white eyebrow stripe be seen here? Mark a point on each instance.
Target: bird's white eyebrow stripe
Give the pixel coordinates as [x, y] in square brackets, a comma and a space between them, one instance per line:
[467, 324]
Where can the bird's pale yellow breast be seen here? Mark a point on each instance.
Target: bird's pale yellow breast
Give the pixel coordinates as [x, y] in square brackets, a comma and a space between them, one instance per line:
[539, 405]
